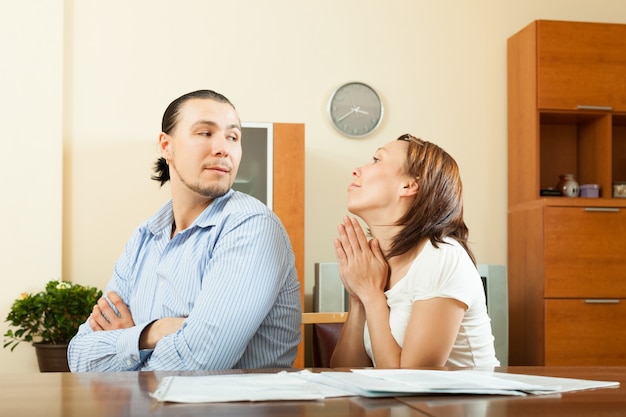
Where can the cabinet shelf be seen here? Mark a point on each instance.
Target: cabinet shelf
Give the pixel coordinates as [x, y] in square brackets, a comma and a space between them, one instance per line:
[590, 145]
[576, 143]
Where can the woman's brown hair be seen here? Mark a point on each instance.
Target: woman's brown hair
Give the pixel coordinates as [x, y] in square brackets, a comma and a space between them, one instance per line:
[437, 210]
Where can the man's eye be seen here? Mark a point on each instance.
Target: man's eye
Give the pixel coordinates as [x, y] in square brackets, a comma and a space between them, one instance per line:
[375, 159]
[204, 133]
[233, 138]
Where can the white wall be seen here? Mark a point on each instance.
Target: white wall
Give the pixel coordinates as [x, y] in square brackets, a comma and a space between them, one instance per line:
[31, 116]
[440, 68]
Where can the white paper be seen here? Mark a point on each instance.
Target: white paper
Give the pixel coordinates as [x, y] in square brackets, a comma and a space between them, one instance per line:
[473, 382]
[564, 384]
[410, 382]
[237, 387]
[305, 385]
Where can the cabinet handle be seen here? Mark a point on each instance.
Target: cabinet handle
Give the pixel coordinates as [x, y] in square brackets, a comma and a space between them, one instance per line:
[603, 108]
[602, 209]
[601, 301]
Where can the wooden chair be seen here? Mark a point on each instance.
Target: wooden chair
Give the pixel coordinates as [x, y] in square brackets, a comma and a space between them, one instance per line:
[325, 331]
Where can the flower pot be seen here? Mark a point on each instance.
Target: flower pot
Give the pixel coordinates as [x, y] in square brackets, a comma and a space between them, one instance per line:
[51, 358]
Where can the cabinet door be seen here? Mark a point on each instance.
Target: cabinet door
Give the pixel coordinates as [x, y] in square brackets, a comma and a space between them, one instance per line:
[580, 332]
[581, 64]
[288, 196]
[585, 252]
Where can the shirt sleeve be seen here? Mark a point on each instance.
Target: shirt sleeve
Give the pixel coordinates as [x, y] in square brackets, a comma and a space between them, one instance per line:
[115, 350]
[447, 272]
[244, 276]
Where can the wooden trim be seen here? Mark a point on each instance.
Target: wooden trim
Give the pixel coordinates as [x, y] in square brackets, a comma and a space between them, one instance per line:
[313, 318]
[288, 197]
[523, 130]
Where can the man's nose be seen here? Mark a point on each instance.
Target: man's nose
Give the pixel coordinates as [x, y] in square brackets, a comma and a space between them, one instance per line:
[219, 144]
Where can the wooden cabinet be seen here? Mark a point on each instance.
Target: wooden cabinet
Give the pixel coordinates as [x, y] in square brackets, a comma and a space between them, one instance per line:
[274, 173]
[567, 282]
[585, 332]
[580, 65]
[566, 256]
[560, 118]
[584, 252]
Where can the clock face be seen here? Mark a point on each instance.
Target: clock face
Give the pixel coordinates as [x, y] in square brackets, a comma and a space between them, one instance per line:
[355, 109]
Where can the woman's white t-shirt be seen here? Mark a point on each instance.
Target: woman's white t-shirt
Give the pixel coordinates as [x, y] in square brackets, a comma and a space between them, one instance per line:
[448, 272]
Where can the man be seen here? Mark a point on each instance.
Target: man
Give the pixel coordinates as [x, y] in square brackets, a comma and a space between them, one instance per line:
[209, 281]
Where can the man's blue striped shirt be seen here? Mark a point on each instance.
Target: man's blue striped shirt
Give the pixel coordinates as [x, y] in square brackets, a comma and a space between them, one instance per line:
[231, 273]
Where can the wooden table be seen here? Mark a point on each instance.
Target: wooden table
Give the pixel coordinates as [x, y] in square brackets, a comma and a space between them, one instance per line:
[126, 394]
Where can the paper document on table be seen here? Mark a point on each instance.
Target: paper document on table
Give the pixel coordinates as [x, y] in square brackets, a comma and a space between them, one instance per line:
[236, 387]
[306, 385]
[466, 382]
[564, 384]
[374, 383]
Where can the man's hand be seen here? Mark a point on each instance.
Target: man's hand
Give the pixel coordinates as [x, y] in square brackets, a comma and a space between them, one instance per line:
[155, 331]
[104, 317]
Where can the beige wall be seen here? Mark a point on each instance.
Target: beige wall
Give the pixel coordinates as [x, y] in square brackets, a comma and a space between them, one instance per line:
[91, 79]
[31, 117]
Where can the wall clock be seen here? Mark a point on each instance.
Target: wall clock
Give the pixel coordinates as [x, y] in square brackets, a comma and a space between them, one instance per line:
[355, 109]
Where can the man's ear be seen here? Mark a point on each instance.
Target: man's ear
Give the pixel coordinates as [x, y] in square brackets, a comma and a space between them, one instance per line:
[165, 144]
[410, 187]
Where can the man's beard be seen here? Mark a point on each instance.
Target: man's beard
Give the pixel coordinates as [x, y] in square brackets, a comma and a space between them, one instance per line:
[213, 190]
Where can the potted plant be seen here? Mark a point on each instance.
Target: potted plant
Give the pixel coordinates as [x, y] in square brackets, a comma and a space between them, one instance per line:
[49, 319]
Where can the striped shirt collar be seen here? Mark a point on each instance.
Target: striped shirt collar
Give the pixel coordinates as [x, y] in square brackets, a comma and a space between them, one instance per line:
[164, 218]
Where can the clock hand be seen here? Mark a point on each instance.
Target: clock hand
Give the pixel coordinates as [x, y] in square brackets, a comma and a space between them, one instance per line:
[351, 99]
[346, 115]
[358, 110]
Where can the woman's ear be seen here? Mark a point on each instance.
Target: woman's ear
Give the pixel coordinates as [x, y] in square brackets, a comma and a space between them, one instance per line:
[410, 187]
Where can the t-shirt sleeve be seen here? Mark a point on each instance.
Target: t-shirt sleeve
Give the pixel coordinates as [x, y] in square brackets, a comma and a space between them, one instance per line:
[446, 271]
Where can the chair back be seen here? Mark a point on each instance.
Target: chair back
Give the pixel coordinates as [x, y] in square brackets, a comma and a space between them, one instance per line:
[326, 328]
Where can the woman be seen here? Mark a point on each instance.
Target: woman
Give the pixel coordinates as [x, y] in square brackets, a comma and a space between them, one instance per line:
[415, 296]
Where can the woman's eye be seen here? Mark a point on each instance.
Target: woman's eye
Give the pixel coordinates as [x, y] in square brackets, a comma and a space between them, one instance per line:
[205, 133]
[234, 138]
[375, 159]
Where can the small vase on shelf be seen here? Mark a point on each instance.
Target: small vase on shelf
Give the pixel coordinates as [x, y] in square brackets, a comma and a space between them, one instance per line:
[568, 186]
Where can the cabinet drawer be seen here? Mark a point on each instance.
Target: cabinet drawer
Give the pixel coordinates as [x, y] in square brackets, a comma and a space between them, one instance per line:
[581, 63]
[585, 252]
[578, 332]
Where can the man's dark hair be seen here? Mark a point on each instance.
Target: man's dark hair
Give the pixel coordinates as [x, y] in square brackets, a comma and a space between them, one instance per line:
[170, 119]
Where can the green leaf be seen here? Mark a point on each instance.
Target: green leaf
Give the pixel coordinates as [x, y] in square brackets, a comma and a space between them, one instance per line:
[50, 316]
